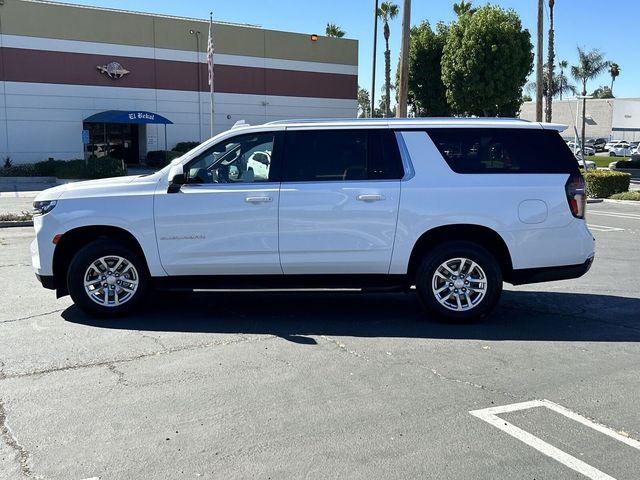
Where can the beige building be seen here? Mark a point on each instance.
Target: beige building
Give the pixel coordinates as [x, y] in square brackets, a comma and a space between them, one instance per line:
[119, 83]
[612, 118]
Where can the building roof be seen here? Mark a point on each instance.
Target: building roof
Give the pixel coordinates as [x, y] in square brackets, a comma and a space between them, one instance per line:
[134, 12]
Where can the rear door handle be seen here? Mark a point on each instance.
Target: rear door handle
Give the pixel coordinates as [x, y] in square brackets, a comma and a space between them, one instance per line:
[258, 199]
[370, 198]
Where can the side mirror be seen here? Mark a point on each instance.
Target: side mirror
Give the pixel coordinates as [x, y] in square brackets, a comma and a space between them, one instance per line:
[176, 179]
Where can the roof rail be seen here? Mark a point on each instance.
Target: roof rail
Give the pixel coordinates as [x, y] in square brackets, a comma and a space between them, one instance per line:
[388, 120]
[240, 124]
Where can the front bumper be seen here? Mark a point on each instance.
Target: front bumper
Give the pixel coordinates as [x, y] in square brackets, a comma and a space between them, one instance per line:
[47, 281]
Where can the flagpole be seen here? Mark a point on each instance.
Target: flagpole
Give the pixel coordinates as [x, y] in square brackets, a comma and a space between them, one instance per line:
[210, 46]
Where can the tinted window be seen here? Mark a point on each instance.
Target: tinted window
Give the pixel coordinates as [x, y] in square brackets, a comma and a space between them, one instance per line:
[504, 150]
[242, 159]
[338, 155]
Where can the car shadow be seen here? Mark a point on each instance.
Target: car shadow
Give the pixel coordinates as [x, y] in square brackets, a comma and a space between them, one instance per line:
[297, 316]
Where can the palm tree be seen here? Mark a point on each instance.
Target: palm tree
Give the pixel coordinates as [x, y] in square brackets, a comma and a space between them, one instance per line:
[590, 65]
[559, 85]
[364, 103]
[550, 64]
[333, 30]
[614, 71]
[463, 7]
[563, 64]
[386, 12]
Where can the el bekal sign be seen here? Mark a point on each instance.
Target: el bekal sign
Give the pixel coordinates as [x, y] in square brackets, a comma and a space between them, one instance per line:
[142, 116]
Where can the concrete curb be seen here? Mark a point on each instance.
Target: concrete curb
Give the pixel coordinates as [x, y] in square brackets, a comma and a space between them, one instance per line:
[28, 223]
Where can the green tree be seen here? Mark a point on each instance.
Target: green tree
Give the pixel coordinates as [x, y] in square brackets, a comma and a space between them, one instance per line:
[590, 65]
[463, 8]
[526, 98]
[485, 63]
[382, 104]
[602, 92]
[427, 94]
[560, 85]
[614, 71]
[563, 64]
[333, 30]
[387, 12]
[364, 103]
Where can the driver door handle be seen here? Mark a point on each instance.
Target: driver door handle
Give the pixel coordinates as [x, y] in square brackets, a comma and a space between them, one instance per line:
[370, 198]
[258, 199]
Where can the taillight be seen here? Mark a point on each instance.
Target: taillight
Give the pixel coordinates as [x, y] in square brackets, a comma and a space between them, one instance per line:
[576, 195]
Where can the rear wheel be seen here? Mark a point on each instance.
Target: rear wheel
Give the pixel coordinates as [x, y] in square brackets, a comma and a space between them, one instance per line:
[105, 278]
[459, 281]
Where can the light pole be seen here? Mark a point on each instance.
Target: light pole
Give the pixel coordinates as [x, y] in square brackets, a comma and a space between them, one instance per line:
[197, 35]
[575, 128]
[539, 92]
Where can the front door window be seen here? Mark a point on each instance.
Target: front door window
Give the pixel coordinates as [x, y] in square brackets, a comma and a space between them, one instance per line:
[243, 159]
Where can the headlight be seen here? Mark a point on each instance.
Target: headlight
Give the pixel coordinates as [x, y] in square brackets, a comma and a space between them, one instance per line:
[42, 207]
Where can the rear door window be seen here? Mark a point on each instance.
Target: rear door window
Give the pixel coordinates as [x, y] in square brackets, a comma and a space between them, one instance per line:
[504, 150]
[340, 155]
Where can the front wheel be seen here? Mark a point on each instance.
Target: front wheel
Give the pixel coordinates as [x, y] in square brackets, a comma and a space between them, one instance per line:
[105, 279]
[459, 281]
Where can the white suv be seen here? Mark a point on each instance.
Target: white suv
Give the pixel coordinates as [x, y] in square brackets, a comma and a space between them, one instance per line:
[450, 206]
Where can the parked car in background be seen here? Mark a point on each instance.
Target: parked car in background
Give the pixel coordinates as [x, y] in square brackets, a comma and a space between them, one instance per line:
[586, 150]
[590, 165]
[598, 144]
[611, 143]
[621, 150]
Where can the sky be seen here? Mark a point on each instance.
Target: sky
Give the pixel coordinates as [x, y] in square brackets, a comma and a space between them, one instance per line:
[612, 26]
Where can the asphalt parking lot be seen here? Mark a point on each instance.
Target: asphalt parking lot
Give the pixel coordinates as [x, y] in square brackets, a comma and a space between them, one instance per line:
[327, 385]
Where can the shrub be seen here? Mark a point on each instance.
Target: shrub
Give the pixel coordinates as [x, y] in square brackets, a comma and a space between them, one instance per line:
[161, 158]
[628, 164]
[104, 167]
[604, 183]
[184, 147]
[18, 171]
[626, 196]
[7, 162]
[50, 167]
[71, 169]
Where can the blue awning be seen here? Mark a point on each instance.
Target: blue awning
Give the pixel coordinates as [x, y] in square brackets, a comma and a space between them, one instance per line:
[127, 116]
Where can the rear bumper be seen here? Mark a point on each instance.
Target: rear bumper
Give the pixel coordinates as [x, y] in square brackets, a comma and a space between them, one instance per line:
[549, 274]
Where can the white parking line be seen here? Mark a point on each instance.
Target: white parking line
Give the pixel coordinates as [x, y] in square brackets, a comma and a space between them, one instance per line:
[490, 415]
[604, 228]
[630, 216]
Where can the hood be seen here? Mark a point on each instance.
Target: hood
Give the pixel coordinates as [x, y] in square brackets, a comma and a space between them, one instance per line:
[102, 182]
[98, 188]
[51, 193]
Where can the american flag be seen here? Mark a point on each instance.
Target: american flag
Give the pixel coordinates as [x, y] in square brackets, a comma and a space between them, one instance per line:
[210, 51]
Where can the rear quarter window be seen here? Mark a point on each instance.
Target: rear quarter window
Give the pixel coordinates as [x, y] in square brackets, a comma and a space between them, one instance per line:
[504, 150]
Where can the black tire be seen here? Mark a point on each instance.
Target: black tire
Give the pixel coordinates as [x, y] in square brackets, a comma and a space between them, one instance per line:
[448, 252]
[86, 257]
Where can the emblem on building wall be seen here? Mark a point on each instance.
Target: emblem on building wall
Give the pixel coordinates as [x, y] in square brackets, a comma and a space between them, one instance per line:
[113, 70]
